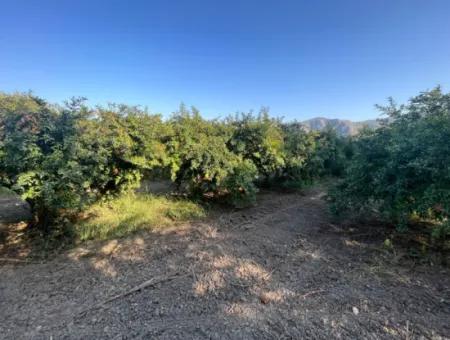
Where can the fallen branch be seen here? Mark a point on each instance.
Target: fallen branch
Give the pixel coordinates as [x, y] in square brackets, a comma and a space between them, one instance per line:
[304, 296]
[7, 259]
[149, 283]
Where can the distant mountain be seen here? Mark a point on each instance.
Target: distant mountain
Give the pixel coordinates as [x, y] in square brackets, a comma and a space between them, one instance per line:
[342, 127]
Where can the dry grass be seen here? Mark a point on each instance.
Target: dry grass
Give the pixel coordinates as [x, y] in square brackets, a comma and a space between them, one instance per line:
[133, 212]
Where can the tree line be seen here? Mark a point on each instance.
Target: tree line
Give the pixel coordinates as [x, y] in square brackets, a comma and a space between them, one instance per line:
[63, 158]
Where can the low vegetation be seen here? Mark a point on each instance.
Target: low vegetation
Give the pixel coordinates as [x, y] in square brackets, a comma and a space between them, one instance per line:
[132, 212]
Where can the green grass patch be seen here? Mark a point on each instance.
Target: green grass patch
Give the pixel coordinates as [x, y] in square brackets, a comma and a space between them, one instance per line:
[132, 212]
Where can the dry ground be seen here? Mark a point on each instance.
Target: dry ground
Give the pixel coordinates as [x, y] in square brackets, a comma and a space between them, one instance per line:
[278, 270]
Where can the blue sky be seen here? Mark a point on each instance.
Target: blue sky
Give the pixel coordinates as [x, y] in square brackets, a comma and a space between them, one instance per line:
[301, 58]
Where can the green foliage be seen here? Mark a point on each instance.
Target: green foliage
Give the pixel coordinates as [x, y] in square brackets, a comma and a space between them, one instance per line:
[311, 155]
[63, 159]
[302, 164]
[403, 167]
[201, 160]
[240, 184]
[130, 212]
[260, 140]
[441, 233]
[122, 143]
[39, 157]
[332, 153]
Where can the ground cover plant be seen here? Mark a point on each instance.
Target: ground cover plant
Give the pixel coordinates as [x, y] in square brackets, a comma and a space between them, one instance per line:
[131, 212]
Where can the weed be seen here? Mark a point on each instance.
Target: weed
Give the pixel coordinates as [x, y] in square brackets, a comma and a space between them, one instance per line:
[131, 212]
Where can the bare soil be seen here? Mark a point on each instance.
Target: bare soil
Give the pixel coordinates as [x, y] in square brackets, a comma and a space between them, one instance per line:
[282, 269]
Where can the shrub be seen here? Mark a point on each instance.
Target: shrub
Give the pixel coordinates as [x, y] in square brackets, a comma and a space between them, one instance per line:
[120, 144]
[240, 184]
[39, 157]
[200, 158]
[61, 159]
[301, 163]
[64, 158]
[260, 140]
[202, 162]
[402, 168]
[332, 153]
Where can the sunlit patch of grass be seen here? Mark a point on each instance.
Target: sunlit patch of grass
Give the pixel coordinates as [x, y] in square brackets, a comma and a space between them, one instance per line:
[132, 212]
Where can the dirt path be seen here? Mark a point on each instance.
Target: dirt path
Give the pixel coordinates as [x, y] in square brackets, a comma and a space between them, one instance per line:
[279, 270]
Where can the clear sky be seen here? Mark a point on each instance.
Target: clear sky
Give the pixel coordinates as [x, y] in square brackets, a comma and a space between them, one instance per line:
[302, 58]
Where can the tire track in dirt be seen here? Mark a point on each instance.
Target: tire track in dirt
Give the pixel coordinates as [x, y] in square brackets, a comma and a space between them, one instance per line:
[307, 205]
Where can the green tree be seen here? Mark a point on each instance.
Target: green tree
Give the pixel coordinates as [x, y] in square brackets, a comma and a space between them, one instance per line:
[62, 158]
[402, 168]
[260, 140]
[40, 147]
[202, 163]
[300, 152]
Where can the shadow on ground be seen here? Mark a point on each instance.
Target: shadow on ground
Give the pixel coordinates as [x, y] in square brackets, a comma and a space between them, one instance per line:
[278, 270]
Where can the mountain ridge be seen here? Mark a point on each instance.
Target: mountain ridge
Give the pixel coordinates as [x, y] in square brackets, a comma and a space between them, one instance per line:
[343, 127]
